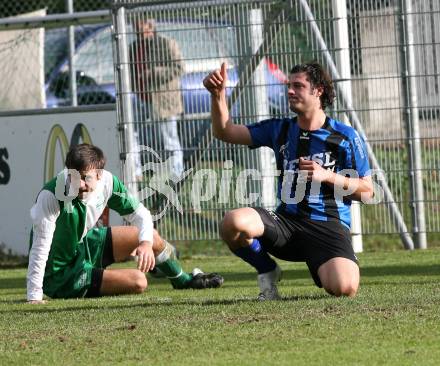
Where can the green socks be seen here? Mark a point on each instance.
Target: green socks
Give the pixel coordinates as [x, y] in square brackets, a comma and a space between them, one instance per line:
[174, 272]
[167, 262]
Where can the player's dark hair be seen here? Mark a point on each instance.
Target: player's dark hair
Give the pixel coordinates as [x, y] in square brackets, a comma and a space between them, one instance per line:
[85, 157]
[318, 77]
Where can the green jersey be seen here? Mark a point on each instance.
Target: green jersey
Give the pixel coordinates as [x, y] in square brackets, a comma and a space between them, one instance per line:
[61, 223]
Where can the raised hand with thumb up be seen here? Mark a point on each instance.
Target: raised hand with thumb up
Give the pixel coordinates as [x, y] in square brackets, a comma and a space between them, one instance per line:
[215, 81]
[222, 126]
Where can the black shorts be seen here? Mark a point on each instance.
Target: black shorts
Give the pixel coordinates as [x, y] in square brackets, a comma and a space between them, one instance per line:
[299, 239]
[97, 273]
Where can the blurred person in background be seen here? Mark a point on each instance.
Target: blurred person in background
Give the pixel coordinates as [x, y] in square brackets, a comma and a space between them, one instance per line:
[157, 66]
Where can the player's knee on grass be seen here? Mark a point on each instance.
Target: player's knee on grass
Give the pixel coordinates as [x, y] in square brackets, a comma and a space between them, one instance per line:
[140, 282]
[342, 288]
[340, 277]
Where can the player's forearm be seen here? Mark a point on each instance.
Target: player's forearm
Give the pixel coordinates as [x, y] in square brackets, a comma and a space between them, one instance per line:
[37, 264]
[44, 215]
[219, 115]
[141, 218]
[357, 189]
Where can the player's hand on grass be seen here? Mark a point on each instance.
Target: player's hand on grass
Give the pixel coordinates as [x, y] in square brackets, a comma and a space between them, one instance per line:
[215, 82]
[313, 170]
[37, 302]
[146, 261]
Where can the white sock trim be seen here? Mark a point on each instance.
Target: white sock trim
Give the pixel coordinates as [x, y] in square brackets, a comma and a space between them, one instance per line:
[162, 257]
[180, 273]
[165, 254]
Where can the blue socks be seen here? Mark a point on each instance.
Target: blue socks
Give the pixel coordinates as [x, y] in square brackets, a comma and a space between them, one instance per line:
[256, 257]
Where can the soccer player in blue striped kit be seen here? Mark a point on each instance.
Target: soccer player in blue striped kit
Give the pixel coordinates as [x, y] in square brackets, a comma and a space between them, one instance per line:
[323, 166]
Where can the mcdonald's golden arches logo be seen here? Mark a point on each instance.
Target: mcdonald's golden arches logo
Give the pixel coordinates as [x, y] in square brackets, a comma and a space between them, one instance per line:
[57, 134]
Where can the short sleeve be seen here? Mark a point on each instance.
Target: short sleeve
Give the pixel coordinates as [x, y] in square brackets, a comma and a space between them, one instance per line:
[262, 133]
[357, 157]
[121, 201]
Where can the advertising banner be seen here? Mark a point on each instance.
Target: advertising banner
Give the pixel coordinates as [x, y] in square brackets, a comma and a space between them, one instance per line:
[32, 151]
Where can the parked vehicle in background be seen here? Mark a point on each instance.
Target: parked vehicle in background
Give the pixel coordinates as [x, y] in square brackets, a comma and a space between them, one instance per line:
[202, 47]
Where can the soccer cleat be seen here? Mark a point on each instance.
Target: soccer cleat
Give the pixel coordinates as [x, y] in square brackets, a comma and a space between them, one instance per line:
[202, 280]
[196, 271]
[268, 285]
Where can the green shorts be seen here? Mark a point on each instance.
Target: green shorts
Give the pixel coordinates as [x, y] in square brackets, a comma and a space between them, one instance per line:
[75, 280]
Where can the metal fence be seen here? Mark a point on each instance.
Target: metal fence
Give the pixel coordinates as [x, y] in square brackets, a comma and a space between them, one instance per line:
[383, 56]
[19, 7]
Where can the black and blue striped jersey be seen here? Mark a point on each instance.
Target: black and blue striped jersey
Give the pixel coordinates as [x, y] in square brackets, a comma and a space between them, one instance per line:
[334, 146]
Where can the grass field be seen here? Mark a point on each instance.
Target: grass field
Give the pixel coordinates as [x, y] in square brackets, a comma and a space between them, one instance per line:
[394, 320]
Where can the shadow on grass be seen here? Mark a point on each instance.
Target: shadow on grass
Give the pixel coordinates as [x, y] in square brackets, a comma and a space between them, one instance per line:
[234, 278]
[252, 276]
[366, 271]
[12, 283]
[254, 299]
[401, 270]
[130, 303]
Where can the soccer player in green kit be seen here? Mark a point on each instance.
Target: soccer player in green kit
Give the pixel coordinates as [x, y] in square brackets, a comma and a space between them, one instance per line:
[68, 254]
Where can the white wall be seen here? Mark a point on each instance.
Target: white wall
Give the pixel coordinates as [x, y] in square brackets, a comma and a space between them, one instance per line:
[23, 145]
[22, 67]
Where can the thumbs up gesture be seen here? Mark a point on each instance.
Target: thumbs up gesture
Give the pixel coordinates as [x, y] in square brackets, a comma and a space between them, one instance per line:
[215, 81]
